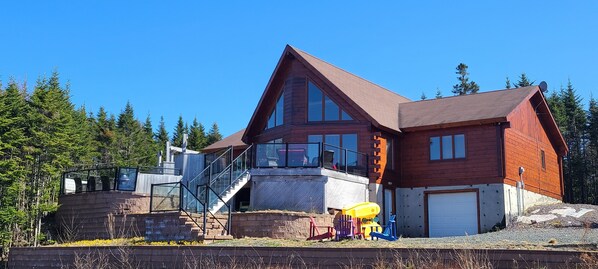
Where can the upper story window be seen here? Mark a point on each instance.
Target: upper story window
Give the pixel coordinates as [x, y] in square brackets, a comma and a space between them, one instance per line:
[447, 147]
[277, 116]
[321, 108]
[390, 154]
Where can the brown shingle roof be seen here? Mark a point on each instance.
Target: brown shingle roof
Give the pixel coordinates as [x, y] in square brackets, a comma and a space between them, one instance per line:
[490, 106]
[379, 103]
[231, 140]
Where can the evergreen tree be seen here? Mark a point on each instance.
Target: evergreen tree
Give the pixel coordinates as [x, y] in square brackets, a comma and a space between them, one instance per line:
[52, 131]
[523, 81]
[213, 135]
[197, 136]
[464, 86]
[423, 96]
[13, 139]
[149, 146]
[592, 156]
[130, 139]
[161, 136]
[438, 94]
[179, 130]
[508, 84]
[105, 137]
[83, 151]
[574, 124]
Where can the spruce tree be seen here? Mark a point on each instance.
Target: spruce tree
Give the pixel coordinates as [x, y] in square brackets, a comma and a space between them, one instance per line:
[179, 130]
[423, 96]
[523, 81]
[464, 86]
[508, 84]
[213, 135]
[197, 136]
[438, 94]
[52, 131]
[161, 136]
[130, 136]
[13, 138]
[105, 137]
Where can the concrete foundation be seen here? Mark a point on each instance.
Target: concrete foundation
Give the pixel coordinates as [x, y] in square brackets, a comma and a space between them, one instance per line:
[529, 199]
[495, 200]
[312, 190]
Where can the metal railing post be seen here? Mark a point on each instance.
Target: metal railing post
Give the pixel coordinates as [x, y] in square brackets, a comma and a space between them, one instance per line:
[151, 197]
[286, 155]
[346, 163]
[231, 165]
[181, 199]
[205, 211]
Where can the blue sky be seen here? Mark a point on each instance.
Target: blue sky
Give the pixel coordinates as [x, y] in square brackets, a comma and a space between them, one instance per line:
[213, 60]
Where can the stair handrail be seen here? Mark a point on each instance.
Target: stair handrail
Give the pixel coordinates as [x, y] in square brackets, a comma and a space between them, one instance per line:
[228, 223]
[230, 148]
[203, 228]
[229, 169]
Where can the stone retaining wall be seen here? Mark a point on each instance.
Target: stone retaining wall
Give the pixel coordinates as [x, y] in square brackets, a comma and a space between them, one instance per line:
[276, 224]
[278, 257]
[101, 215]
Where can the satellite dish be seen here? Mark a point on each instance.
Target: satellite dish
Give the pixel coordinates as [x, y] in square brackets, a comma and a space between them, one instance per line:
[543, 86]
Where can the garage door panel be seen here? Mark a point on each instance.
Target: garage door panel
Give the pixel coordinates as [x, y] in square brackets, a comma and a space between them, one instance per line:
[452, 214]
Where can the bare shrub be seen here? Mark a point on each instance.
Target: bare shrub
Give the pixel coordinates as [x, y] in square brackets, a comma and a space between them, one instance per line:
[92, 259]
[69, 228]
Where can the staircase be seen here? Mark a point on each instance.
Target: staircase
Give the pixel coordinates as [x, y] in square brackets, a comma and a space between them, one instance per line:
[202, 203]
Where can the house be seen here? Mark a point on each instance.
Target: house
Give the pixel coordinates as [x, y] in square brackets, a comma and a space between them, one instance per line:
[321, 137]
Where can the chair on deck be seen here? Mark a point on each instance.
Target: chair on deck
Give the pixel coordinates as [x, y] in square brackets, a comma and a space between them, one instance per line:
[390, 231]
[348, 227]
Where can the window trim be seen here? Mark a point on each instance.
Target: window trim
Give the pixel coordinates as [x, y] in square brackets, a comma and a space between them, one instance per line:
[453, 148]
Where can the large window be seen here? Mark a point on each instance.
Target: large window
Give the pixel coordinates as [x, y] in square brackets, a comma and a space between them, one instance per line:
[447, 147]
[277, 115]
[389, 154]
[334, 143]
[321, 108]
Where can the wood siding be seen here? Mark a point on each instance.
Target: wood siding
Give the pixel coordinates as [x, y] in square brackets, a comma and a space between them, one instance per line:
[293, 80]
[481, 165]
[523, 144]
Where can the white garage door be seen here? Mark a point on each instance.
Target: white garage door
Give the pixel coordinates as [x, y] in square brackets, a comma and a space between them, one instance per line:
[452, 214]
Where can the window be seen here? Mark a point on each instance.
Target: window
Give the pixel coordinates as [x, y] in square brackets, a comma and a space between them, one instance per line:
[389, 154]
[447, 147]
[321, 108]
[336, 141]
[277, 115]
[543, 159]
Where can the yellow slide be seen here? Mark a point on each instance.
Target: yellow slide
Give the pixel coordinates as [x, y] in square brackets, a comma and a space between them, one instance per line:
[365, 211]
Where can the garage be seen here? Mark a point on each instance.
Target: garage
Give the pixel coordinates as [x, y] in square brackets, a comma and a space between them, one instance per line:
[452, 214]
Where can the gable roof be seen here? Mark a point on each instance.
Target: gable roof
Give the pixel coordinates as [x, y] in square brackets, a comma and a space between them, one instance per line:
[492, 106]
[231, 140]
[380, 104]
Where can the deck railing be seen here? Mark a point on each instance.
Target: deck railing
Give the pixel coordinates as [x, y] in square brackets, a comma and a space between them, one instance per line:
[99, 179]
[310, 155]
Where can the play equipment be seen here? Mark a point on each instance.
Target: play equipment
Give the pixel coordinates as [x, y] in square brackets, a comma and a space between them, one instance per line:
[389, 233]
[314, 232]
[358, 220]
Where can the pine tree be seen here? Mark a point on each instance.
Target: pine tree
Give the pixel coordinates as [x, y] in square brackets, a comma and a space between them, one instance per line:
[213, 135]
[592, 156]
[464, 86]
[523, 81]
[197, 136]
[508, 84]
[180, 129]
[161, 136]
[423, 96]
[83, 152]
[149, 147]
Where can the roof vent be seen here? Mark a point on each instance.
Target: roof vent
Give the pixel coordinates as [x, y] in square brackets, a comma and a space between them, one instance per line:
[543, 86]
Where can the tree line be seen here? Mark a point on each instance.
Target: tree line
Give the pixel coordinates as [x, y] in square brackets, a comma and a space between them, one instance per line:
[579, 127]
[42, 134]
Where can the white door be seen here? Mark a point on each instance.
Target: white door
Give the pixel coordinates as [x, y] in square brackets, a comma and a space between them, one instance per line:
[452, 214]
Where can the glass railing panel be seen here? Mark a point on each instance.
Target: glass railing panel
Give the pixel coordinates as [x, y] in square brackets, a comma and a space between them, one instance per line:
[127, 179]
[270, 155]
[190, 202]
[88, 180]
[165, 197]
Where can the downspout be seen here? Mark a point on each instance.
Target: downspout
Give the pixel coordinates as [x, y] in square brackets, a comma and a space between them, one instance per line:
[520, 190]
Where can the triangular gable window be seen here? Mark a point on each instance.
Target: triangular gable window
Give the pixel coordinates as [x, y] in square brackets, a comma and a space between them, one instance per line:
[321, 107]
[277, 116]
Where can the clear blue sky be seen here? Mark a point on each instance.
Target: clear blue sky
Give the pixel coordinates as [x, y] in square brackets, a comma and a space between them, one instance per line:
[212, 61]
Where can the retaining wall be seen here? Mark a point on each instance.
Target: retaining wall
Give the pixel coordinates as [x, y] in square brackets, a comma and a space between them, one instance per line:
[276, 224]
[266, 257]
